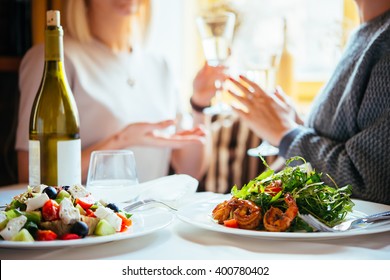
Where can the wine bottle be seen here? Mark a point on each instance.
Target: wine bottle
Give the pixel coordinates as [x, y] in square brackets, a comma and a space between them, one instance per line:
[54, 139]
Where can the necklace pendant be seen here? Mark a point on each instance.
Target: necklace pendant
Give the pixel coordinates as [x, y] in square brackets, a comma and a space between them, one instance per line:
[130, 82]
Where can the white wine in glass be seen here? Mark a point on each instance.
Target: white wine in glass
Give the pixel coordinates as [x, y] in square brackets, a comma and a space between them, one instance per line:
[265, 77]
[262, 57]
[216, 31]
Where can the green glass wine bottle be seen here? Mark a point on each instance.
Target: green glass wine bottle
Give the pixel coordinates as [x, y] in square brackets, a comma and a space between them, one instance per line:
[54, 139]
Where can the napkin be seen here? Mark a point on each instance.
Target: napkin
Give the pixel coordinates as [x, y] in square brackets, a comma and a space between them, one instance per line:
[176, 190]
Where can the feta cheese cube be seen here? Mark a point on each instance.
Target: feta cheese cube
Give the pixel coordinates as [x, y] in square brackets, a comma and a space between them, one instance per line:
[36, 202]
[102, 212]
[78, 191]
[13, 227]
[110, 216]
[68, 213]
[114, 220]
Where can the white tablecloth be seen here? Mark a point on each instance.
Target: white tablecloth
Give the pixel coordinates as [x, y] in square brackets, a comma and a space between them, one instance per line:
[182, 241]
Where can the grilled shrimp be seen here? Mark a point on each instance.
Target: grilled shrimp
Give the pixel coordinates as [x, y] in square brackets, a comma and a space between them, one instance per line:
[247, 214]
[276, 220]
[223, 210]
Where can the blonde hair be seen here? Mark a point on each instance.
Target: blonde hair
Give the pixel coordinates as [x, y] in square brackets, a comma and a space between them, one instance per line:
[76, 12]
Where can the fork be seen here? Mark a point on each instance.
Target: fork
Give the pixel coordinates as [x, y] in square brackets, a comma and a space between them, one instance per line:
[143, 202]
[350, 224]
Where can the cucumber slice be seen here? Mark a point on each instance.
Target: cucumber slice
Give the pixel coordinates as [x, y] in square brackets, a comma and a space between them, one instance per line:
[33, 216]
[104, 228]
[3, 220]
[23, 236]
[61, 195]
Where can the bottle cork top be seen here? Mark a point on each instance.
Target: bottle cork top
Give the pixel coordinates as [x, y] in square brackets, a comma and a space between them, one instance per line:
[53, 18]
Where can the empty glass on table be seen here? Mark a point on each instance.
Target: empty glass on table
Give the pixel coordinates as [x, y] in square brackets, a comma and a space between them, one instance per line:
[112, 176]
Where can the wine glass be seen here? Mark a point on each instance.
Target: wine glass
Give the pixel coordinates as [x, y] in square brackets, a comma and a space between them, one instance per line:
[112, 176]
[261, 58]
[216, 30]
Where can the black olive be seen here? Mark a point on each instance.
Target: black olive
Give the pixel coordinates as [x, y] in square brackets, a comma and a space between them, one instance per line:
[66, 188]
[80, 228]
[51, 192]
[32, 228]
[113, 207]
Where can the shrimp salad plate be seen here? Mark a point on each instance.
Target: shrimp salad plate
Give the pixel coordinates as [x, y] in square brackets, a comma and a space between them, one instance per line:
[269, 205]
[200, 215]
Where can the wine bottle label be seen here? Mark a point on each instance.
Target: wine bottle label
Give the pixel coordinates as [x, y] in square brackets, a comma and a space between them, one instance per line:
[68, 163]
[34, 163]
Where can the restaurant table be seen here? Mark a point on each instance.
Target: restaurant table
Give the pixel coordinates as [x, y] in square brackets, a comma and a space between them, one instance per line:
[183, 241]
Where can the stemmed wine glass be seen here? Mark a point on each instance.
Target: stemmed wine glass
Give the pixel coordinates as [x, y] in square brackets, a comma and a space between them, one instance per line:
[216, 31]
[262, 57]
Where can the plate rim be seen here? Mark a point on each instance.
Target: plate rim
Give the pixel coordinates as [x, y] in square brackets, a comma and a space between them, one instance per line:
[209, 224]
[95, 240]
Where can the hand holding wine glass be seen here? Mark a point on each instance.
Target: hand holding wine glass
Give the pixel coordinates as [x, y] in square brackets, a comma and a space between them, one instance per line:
[261, 53]
[216, 31]
[266, 114]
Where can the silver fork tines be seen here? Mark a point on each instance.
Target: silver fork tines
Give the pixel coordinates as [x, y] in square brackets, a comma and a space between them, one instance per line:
[350, 224]
[143, 202]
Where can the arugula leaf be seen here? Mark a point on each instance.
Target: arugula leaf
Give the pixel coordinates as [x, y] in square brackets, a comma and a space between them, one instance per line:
[330, 204]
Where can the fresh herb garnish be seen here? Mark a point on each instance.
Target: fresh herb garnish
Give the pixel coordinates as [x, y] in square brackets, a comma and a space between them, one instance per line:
[330, 204]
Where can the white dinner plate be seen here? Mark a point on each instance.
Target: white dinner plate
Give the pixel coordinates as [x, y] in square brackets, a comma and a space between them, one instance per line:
[199, 215]
[144, 222]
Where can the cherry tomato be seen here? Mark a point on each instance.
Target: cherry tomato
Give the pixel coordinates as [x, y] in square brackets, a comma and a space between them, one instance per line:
[274, 188]
[46, 235]
[90, 213]
[232, 223]
[85, 202]
[69, 236]
[125, 221]
[50, 210]
[273, 191]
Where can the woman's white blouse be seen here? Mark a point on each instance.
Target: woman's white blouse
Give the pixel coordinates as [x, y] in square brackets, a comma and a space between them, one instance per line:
[111, 91]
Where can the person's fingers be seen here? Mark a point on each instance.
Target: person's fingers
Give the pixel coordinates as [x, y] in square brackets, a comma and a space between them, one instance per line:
[175, 141]
[245, 100]
[195, 131]
[240, 112]
[279, 92]
[250, 101]
[159, 125]
[255, 86]
[240, 86]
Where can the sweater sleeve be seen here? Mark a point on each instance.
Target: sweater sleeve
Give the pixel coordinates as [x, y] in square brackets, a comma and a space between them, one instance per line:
[363, 160]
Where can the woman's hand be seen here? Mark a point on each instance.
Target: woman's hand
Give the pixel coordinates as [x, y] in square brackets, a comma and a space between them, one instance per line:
[284, 98]
[269, 116]
[145, 134]
[158, 135]
[204, 84]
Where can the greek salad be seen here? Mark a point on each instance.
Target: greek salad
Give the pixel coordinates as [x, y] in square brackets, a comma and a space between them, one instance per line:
[44, 213]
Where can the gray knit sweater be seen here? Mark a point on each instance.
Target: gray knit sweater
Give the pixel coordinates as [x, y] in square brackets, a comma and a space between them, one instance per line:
[347, 134]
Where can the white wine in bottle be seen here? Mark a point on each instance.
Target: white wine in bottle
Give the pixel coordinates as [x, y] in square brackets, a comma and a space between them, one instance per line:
[54, 143]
